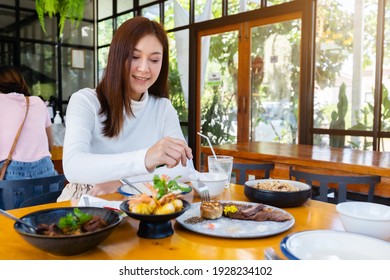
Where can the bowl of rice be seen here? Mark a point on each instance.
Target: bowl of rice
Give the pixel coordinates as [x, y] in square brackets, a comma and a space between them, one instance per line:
[278, 193]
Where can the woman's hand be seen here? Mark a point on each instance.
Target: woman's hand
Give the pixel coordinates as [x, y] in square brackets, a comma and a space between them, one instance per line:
[105, 188]
[168, 151]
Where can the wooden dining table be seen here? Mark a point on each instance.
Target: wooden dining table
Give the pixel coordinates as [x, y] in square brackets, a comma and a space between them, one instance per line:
[326, 160]
[125, 244]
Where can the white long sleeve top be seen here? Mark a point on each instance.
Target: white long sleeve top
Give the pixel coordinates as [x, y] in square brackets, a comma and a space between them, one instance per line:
[89, 157]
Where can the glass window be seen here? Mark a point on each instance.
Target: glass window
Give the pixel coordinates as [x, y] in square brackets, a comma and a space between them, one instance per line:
[345, 68]
[81, 34]
[104, 9]
[74, 79]
[31, 29]
[124, 5]
[178, 72]
[152, 12]
[8, 2]
[207, 9]
[219, 67]
[385, 110]
[240, 6]
[23, 4]
[105, 32]
[39, 67]
[102, 60]
[88, 9]
[275, 68]
[7, 24]
[143, 2]
[277, 2]
[176, 13]
[121, 19]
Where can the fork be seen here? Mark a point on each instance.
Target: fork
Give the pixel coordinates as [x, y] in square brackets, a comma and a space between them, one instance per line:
[202, 188]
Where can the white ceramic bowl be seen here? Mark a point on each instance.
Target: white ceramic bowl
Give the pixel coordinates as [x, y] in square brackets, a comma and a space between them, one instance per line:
[214, 181]
[365, 218]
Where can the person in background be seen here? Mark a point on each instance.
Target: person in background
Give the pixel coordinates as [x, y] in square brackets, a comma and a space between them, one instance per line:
[31, 157]
[127, 126]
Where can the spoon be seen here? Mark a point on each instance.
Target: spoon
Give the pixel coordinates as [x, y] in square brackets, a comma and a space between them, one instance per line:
[8, 215]
[131, 185]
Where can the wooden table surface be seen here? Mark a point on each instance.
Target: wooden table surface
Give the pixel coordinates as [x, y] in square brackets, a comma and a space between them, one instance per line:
[124, 243]
[329, 160]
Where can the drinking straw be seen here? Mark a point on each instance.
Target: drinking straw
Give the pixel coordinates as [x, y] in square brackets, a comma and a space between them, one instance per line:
[208, 140]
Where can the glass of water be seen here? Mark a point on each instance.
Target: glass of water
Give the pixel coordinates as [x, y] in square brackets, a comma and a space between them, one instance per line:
[221, 164]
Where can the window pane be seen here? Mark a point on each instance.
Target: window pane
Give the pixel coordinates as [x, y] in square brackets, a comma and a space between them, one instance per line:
[143, 2]
[178, 72]
[277, 2]
[31, 29]
[121, 19]
[88, 9]
[205, 10]
[81, 34]
[23, 4]
[275, 53]
[39, 67]
[8, 20]
[74, 79]
[105, 31]
[124, 5]
[384, 145]
[219, 66]
[345, 66]
[176, 13]
[386, 73]
[104, 9]
[240, 6]
[353, 142]
[102, 60]
[152, 12]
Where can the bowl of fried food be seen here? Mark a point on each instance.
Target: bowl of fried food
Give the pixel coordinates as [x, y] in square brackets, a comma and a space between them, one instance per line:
[278, 193]
[69, 230]
[155, 212]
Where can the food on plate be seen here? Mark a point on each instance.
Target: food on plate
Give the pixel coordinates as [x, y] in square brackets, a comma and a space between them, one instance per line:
[258, 212]
[74, 223]
[164, 185]
[276, 185]
[211, 210]
[154, 205]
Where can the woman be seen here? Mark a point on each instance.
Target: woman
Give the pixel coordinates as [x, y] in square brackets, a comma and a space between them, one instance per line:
[127, 126]
[31, 157]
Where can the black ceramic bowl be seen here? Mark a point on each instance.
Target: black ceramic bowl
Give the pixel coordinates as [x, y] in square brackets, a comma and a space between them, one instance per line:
[66, 245]
[154, 226]
[277, 198]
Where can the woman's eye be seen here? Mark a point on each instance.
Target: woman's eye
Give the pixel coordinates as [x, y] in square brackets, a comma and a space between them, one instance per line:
[155, 60]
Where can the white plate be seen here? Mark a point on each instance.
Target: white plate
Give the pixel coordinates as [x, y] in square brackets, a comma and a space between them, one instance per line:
[334, 245]
[129, 191]
[231, 228]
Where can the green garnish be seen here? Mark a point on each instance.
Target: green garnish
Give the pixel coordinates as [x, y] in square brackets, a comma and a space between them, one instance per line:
[163, 186]
[75, 220]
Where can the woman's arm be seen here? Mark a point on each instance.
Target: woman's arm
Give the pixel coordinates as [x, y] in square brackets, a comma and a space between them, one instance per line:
[50, 139]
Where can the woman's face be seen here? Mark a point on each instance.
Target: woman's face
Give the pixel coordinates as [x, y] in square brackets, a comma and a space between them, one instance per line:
[145, 65]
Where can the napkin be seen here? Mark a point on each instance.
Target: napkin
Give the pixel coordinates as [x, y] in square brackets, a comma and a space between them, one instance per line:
[99, 202]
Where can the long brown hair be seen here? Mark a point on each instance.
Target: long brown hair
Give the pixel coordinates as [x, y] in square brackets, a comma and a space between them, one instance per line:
[113, 91]
[11, 80]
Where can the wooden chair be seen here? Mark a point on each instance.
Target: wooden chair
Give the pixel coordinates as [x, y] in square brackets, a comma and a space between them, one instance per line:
[325, 186]
[259, 170]
[14, 192]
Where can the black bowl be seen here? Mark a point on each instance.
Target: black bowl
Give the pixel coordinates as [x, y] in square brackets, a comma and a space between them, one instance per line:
[66, 245]
[154, 226]
[278, 198]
